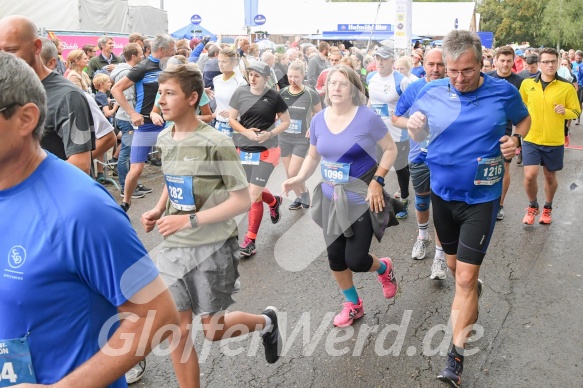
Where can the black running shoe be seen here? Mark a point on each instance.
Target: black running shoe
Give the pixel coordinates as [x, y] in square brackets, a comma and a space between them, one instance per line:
[272, 339]
[452, 373]
[143, 188]
[247, 249]
[274, 211]
[125, 206]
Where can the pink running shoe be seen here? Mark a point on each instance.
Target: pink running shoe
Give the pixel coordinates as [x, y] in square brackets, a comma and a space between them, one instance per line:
[388, 279]
[349, 313]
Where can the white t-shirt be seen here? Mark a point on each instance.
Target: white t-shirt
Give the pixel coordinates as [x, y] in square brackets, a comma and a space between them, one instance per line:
[100, 123]
[224, 91]
[383, 98]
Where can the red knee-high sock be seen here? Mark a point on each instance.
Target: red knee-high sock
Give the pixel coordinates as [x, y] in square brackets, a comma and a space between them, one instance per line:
[255, 216]
[268, 198]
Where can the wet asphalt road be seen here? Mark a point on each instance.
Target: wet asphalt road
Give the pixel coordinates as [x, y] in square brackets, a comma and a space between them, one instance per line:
[530, 331]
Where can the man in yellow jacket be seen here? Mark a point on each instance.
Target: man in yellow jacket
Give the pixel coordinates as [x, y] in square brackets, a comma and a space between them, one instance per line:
[550, 100]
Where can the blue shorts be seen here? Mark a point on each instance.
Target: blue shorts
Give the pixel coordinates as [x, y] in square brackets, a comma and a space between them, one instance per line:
[549, 156]
[145, 138]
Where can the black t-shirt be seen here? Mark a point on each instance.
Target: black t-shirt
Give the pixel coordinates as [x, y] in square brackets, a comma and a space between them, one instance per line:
[257, 112]
[145, 76]
[69, 123]
[513, 79]
[300, 111]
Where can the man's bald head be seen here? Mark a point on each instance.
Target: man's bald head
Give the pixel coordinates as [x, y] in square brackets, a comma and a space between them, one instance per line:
[434, 65]
[19, 36]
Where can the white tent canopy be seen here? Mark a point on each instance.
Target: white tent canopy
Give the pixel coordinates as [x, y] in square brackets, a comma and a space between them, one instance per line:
[90, 15]
[304, 17]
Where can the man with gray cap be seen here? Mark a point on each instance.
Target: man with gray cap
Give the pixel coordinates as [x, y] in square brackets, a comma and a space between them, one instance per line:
[384, 88]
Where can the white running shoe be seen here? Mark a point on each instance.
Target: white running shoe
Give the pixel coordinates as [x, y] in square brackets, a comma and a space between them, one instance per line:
[420, 249]
[438, 268]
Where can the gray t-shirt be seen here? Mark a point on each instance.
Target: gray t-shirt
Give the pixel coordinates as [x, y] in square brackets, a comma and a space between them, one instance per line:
[316, 66]
[200, 171]
[69, 124]
[118, 73]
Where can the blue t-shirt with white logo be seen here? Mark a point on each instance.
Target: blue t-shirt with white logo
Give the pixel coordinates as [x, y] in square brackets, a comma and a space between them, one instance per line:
[418, 151]
[464, 127]
[68, 257]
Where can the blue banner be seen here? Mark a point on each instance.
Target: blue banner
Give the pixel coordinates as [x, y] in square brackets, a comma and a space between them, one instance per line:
[251, 10]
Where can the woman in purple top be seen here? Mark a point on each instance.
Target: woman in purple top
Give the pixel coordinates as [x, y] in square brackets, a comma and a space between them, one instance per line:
[343, 140]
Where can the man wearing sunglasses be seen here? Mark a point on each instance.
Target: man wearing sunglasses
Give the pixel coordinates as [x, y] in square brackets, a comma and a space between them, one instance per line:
[550, 100]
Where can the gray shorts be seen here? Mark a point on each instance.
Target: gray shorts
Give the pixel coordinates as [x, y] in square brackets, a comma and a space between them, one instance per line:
[420, 177]
[201, 279]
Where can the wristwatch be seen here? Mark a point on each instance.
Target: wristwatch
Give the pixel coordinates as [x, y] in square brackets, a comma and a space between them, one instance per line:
[380, 180]
[193, 221]
[519, 137]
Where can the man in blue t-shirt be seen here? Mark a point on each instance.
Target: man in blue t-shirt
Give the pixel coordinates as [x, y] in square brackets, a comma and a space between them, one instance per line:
[65, 281]
[464, 117]
[434, 70]
[145, 78]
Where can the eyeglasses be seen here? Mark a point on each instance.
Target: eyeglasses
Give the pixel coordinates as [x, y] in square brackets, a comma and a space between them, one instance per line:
[546, 63]
[343, 84]
[464, 73]
[10, 106]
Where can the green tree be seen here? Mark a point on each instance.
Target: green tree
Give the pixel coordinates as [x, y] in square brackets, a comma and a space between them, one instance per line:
[560, 24]
[512, 21]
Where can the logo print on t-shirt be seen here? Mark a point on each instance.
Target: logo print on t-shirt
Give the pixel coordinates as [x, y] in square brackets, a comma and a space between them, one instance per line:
[16, 257]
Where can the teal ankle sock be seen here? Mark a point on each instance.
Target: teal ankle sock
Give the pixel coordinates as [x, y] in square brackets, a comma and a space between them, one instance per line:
[382, 269]
[351, 295]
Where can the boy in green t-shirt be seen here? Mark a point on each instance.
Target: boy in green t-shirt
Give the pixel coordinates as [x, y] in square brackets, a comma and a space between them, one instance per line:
[205, 189]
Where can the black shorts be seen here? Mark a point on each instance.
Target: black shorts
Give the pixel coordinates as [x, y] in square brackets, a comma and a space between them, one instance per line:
[464, 230]
[420, 177]
[580, 94]
[294, 147]
[352, 252]
[258, 175]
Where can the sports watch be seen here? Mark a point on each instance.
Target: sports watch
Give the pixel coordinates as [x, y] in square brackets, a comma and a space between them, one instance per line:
[519, 137]
[380, 180]
[193, 221]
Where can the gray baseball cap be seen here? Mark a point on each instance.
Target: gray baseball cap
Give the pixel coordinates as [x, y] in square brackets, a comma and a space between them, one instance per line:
[384, 52]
